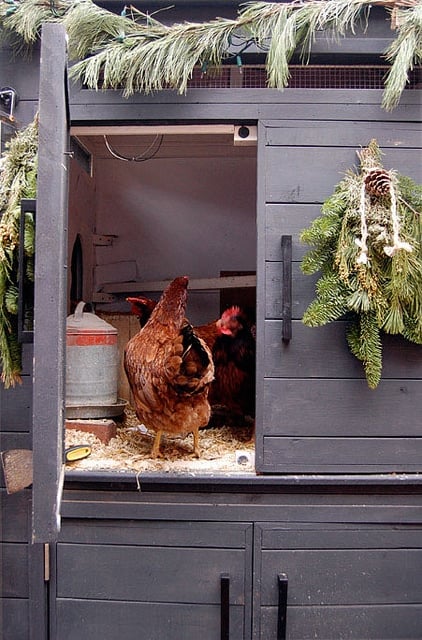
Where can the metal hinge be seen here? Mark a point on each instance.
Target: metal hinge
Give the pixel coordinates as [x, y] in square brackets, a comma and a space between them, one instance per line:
[99, 296]
[46, 562]
[103, 239]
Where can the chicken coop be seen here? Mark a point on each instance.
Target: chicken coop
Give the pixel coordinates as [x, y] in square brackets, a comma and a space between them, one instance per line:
[301, 521]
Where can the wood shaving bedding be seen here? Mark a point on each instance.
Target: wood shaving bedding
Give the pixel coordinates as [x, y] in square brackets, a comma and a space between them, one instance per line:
[226, 448]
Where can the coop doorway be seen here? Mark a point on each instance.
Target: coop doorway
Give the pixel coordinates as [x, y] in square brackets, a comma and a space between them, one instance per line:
[164, 201]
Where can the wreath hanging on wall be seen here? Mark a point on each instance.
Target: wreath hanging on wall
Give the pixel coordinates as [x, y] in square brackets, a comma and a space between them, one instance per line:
[367, 244]
[18, 179]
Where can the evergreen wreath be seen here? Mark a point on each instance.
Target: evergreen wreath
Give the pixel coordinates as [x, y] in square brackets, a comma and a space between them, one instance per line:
[18, 178]
[367, 244]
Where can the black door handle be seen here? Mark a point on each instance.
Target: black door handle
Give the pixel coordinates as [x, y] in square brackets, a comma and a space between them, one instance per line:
[286, 293]
[225, 606]
[282, 580]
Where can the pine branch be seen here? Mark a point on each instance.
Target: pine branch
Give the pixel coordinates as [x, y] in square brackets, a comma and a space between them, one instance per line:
[364, 340]
[17, 181]
[330, 303]
[404, 52]
[136, 52]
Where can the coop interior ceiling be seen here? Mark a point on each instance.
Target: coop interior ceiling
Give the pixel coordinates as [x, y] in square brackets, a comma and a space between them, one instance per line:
[177, 141]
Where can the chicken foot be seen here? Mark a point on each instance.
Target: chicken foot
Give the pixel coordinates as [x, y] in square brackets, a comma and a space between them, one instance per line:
[155, 452]
[196, 449]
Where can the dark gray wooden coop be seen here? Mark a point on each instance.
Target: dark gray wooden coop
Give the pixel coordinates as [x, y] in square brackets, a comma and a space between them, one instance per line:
[324, 538]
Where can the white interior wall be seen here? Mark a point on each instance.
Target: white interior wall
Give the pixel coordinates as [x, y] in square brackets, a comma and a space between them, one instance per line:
[176, 216]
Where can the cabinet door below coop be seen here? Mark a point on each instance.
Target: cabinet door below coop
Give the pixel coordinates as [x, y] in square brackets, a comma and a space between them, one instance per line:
[349, 581]
[153, 580]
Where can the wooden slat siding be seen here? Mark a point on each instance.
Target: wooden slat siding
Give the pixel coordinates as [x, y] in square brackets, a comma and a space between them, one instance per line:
[308, 408]
[303, 290]
[14, 619]
[16, 406]
[183, 574]
[14, 510]
[155, 621]
[294, 217]
[312, 455]
[334, 134]
[51, 289]
[322, 536]
[392, 622]
[27, 359]
[14, 570]
[322, 352]
[309, 175]
[226, 108]
[309, 508]
[16, 401]
[406, 493]
[133, 113]
[344, 576]
[178, 534]
[21, 73]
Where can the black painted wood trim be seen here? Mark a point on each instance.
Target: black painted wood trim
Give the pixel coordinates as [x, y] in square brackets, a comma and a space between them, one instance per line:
[51, 286]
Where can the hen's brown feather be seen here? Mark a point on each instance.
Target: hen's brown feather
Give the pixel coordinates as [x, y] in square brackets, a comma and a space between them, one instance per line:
[170, 369]
[142, 307]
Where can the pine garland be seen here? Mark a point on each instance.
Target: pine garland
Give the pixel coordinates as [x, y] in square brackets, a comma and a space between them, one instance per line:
[367, 244]
[136, 52]
[18, 175]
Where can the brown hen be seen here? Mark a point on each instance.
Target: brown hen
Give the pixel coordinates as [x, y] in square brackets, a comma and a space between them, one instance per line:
[170, 369]
[233, 354]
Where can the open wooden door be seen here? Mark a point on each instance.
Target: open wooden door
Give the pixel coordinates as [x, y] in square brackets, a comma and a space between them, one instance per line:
[50, 287]
[315, 412]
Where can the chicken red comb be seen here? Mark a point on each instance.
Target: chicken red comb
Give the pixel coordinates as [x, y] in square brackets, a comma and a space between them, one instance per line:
[141, 305]
[232, 311]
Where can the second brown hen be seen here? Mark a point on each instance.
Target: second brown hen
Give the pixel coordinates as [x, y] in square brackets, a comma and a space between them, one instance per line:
[233, 354]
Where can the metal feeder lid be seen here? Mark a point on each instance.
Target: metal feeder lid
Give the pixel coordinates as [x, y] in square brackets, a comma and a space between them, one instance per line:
[83, 322]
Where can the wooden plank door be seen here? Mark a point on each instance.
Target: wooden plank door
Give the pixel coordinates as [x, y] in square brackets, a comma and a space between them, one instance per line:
[356, 581]
[315, 412]
[50, 286]
[153, 579]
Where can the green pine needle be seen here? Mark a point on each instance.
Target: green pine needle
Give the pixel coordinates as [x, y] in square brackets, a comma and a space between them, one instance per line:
[364, 340]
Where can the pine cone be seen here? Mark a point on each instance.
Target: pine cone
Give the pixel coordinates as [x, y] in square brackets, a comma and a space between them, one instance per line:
[377, 182]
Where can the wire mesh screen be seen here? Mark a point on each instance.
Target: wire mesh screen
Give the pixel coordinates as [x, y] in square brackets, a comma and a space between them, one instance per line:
[301, 77]
[211, 78]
